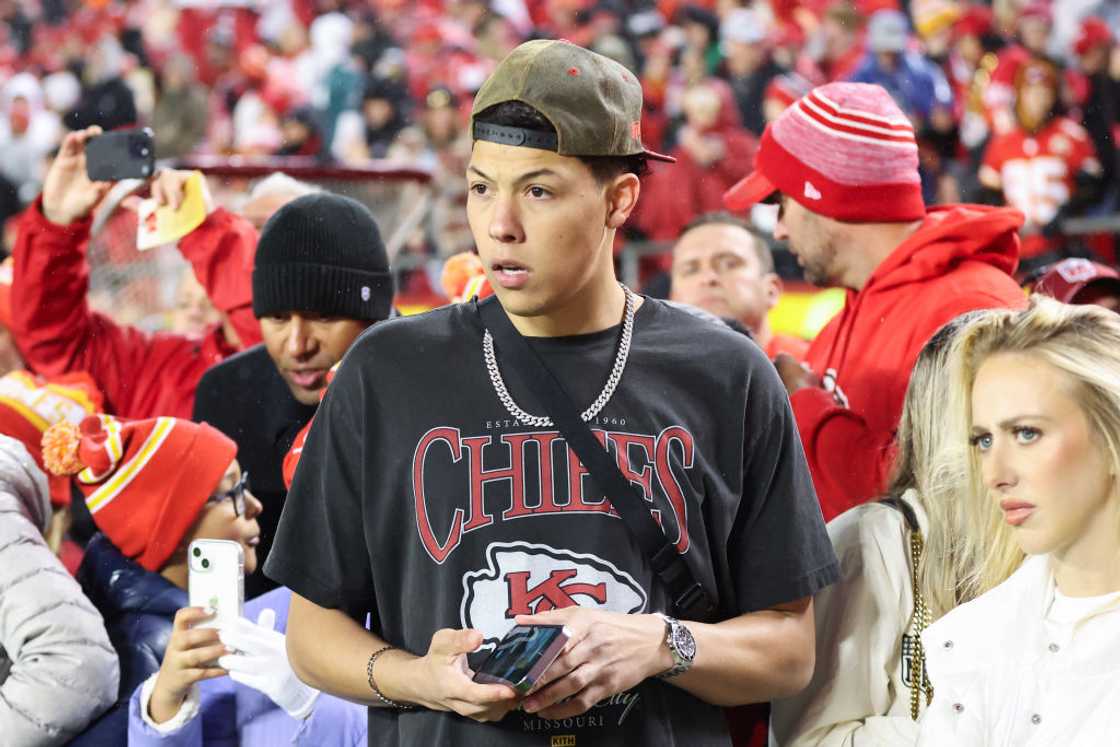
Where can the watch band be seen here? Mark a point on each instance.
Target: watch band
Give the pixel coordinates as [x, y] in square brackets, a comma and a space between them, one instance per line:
[675, 635]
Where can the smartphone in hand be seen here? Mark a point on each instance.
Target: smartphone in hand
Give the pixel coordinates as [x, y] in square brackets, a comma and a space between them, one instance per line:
[216, 579]
[121, 154]
[522, 656]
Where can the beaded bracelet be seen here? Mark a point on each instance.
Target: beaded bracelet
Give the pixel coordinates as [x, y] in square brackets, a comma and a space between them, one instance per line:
[373, 685]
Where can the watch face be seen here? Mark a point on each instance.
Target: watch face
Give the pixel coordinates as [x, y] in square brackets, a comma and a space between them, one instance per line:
[684, 643]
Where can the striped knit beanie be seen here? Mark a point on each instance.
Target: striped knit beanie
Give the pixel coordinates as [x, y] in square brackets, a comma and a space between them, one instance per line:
[30, 404]
[145, 481]
[844, 150]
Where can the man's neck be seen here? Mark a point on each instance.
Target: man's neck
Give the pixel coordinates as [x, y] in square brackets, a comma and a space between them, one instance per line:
[878, 241]
[598, 307]
[762, 333]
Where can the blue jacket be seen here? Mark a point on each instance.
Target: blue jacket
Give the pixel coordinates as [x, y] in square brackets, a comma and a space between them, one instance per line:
[139, 607]
[231, 714]
[917, 85]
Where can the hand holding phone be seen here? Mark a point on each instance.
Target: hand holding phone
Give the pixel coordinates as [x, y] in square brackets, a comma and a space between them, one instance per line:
[68, 193]
[522, 656]
[189, 658]
[216, 580]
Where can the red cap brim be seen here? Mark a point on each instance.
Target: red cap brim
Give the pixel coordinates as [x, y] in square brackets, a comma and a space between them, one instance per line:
[748, 192]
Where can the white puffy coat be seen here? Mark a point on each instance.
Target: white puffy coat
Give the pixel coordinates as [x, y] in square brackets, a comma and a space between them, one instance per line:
[57, 668]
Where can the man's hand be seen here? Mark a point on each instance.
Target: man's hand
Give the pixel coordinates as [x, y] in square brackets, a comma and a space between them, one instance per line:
[445, 679]
[795, 375]
[169, 185]
[68, 194]
[608, 653]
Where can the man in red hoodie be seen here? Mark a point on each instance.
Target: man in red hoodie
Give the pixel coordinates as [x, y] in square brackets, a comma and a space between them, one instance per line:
[141, 375]
[844, 162]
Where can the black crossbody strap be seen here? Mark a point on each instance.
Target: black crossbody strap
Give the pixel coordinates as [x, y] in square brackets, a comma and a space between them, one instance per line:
[689, 598]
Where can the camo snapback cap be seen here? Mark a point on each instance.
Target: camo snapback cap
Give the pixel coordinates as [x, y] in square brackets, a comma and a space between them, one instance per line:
[593, 102]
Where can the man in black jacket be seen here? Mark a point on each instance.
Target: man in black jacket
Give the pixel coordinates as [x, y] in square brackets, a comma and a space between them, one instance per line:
[320, 277]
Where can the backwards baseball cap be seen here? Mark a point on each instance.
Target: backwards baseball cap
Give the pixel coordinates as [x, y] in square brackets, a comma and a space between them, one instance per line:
[1067, 279]
[844, 150]
[322, 253]
[593, 102]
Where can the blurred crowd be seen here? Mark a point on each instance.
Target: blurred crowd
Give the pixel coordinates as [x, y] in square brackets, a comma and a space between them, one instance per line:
[1013, 103]
[120, 447]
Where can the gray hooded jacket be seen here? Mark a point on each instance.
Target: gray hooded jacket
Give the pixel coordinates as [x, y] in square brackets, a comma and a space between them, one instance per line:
[57, 668]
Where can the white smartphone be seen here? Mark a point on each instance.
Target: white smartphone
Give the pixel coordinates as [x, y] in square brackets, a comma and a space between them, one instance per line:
[217, 579]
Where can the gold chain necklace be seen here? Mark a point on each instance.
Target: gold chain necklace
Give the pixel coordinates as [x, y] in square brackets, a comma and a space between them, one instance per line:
[918, 681]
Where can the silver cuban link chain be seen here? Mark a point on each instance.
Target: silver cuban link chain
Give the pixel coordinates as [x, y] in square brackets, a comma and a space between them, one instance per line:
[543, 421]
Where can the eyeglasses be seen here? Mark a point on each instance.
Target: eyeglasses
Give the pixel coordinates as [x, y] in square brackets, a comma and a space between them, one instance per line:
[235, 494]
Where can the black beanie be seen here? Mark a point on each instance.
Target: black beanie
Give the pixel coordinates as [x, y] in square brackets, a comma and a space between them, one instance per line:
[322, 253]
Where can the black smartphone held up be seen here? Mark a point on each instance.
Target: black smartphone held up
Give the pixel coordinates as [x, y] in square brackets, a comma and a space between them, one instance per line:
[121, 154]
[522, 656]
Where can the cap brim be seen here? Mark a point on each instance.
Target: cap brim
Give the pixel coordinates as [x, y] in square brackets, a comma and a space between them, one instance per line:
[654, 155]
[748, 192]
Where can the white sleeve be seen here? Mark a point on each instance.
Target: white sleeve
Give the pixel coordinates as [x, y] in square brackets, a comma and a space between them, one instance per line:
[187, 711]
[859, 622]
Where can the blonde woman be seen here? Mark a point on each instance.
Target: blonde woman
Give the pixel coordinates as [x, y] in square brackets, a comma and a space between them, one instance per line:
[1036, 660]
[868, 687]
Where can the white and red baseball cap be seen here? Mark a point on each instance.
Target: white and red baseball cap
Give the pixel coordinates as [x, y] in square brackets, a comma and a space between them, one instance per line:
[844, 150]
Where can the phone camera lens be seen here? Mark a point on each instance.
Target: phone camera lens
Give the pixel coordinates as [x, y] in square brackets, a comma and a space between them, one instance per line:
[205, 563]
[197, 552]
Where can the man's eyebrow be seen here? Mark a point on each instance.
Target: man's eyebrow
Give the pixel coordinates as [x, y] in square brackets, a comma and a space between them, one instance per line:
[534, 174]
[476, 170]
[523, 178]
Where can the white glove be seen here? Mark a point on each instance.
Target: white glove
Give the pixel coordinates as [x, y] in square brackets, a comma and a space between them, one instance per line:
[261, 662]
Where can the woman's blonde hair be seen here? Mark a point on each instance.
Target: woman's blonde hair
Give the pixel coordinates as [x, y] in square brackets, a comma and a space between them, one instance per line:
[924, 437]
[1083, 342]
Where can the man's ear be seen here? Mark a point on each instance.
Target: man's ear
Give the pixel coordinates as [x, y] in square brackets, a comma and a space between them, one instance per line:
[622, 198]
[774, 289]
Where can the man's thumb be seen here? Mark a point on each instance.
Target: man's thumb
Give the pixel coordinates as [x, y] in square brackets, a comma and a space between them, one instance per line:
[455, 642]
[469, 640]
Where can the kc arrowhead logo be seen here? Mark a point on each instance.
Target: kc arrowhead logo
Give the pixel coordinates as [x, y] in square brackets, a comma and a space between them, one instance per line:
[526, 579]
[812, 192]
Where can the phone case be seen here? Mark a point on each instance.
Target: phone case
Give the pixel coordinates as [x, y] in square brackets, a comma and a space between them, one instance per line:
[217, 579]
[123, 154]
[543, 662]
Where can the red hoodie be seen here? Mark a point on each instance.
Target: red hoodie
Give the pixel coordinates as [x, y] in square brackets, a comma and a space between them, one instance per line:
[141, 375]
[961, 258]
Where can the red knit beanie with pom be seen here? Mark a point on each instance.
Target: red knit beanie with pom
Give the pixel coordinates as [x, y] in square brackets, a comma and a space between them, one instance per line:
[145, 481]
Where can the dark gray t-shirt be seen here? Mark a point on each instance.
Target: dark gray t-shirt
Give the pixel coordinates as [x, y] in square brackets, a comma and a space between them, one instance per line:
[420, 500]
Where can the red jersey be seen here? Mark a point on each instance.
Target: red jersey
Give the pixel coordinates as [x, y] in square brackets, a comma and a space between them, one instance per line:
[1037, 172]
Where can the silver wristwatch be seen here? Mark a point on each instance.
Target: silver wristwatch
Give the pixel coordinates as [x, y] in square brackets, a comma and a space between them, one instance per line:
[681, 645]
